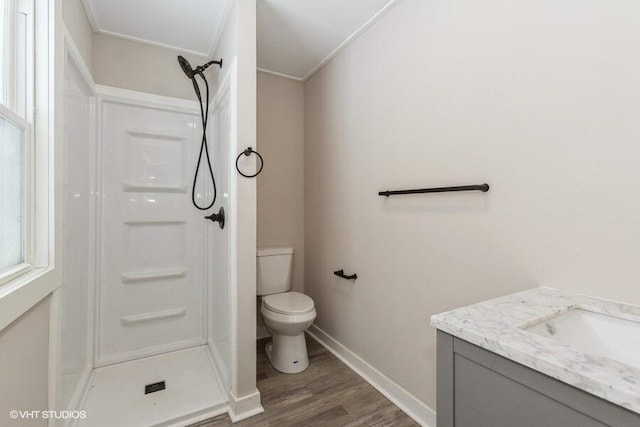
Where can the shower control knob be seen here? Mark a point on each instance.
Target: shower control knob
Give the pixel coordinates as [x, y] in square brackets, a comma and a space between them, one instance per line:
[217, 217]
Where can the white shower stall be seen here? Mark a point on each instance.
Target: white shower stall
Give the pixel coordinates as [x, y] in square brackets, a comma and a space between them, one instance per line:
[155, 296]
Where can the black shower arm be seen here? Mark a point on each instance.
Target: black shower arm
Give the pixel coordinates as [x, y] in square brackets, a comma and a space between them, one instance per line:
[200, 68]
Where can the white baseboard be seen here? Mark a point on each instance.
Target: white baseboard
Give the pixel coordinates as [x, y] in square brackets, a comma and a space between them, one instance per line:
[238, 408]
[244, 407]
[404, 400]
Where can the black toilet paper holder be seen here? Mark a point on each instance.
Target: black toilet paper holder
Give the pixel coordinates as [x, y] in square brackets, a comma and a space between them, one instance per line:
[340, 273]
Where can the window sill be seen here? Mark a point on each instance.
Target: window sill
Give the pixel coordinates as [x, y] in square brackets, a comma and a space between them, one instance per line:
[14, 273]
[23, 292]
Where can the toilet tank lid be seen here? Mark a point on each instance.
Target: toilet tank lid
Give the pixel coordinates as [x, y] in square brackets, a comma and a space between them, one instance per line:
[275, 251]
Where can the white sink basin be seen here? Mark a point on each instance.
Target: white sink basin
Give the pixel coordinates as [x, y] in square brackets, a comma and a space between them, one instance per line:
[607, 336]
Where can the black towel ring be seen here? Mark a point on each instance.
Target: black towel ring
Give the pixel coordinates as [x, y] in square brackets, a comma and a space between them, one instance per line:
[248, 152]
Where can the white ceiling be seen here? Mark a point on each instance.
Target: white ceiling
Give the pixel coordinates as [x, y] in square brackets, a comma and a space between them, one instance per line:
[188, 25]
[295, 37]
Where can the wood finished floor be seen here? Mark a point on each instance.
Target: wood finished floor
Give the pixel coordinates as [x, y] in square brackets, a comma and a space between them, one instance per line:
[328, 393]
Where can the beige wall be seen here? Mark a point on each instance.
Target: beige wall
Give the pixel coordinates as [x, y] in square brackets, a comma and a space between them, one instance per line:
[135, 66]
[24, 367]
[76, 21]
[281, 183]
[540, 100]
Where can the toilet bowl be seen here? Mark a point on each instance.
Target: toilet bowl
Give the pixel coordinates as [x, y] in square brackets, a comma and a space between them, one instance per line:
[287, 315]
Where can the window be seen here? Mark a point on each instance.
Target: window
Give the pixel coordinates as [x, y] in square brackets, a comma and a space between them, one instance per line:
[4, 48]
[12, 192]
[16, 117]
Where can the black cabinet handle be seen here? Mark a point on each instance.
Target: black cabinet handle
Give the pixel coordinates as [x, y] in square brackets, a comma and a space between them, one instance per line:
[340, 273]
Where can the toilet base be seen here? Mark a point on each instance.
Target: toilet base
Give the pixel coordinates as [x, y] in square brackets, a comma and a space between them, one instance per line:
[288, 354]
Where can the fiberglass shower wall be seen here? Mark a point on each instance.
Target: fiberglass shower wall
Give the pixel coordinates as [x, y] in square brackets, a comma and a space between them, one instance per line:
[151, 290]
[76, 295]
[166, 274]
[221, 243]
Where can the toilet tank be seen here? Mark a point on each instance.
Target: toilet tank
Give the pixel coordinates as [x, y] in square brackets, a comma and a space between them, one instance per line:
[274, 270]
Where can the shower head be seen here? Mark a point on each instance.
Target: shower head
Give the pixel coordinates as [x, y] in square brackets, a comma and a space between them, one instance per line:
[191, 72]
[186, 67]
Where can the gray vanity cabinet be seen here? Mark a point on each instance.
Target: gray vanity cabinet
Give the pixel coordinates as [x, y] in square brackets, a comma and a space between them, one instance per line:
[478, 388]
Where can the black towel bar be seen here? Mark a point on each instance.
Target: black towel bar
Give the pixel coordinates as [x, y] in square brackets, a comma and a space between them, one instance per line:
[482, 187]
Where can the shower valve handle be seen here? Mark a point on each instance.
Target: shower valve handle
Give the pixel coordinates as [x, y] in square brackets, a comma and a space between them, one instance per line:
[217, 217]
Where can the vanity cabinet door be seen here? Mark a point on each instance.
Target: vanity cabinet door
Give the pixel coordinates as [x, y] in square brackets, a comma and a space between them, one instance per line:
[484, 398]
[478, 388]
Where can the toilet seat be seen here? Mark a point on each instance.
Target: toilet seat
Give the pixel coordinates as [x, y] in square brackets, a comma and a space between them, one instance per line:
[291, 303]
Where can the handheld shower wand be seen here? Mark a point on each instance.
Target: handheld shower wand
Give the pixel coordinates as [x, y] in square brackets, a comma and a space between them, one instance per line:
[204, 114]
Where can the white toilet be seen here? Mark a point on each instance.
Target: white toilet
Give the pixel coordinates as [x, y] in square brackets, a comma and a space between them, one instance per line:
[286, 314]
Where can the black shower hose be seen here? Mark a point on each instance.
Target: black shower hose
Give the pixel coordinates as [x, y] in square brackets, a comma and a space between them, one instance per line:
[204, 114]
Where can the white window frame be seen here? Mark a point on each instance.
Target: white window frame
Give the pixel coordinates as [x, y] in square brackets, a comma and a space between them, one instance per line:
[28, 218]
[19, 111]
[20, 70]
[25, 286]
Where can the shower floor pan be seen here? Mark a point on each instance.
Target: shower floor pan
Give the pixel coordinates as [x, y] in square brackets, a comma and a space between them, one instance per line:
[192, 392]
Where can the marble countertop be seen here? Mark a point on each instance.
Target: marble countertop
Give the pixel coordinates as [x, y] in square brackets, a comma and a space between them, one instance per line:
[497, 325]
